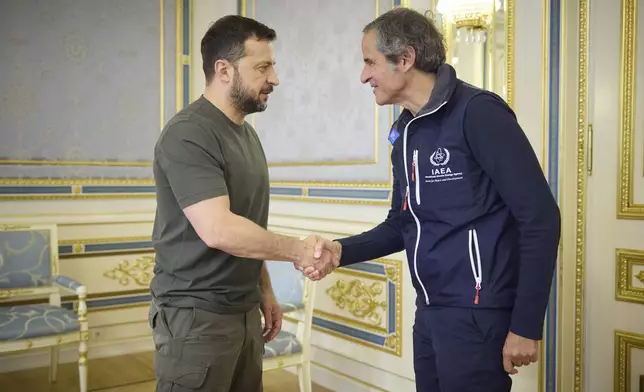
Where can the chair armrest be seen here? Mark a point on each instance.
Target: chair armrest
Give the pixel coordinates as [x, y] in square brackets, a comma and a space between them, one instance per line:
[81, 291]
[70, 284]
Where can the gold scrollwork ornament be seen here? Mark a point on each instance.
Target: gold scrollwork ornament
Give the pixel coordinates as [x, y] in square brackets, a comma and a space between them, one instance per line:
[140, 272]
[640, 276]
[359, 299]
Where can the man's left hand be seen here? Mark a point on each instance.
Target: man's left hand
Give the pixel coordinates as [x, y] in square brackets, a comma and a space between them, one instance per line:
[519, 351]
[272, 317]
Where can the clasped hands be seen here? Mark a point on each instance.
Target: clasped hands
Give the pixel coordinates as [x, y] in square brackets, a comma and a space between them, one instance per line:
[321, 256]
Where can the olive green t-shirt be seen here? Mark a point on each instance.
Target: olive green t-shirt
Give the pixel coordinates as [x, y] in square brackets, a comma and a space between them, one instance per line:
[202, 154]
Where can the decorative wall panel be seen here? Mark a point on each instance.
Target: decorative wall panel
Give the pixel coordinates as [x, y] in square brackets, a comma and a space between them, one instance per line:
[362, 303]
[630, 275]
[629, 361]
[321, 115]
[86, 88]
[631, 154]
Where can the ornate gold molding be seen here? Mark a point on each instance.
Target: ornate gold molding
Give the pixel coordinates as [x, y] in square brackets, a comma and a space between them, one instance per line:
[16, 292]
[626, 206]
[333, 201]
[391, 279]
[581, 195]
[640, 276]
[68, 182]
[624, 343]
[334, 184]
[625, 260]
[359, 298]
[140, 272]
[509, 52]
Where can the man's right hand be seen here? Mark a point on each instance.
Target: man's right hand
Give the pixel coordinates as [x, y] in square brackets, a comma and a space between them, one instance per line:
[321, 258]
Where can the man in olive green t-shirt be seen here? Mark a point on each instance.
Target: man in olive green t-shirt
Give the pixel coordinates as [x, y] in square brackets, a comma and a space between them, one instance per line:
[210, 281]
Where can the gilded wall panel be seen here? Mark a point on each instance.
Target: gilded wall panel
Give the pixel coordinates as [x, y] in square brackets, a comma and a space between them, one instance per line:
[87, 86]
[111, 273]
[630, 275]
[629, 361]
[321, 115]
[362, 303]
[79, 78]
[631, 126]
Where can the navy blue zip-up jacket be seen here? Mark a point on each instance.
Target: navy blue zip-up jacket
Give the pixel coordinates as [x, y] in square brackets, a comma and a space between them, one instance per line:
[471, 207]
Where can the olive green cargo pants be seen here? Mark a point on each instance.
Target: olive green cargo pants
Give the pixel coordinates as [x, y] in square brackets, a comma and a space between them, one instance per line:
[197, 350]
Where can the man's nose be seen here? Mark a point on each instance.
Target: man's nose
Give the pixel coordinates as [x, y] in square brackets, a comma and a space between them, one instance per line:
[365, 75]
[273, 79]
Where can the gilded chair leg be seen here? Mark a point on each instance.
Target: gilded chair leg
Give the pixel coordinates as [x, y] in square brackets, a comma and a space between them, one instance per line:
[82, 365]
[304, 376]
[53, 364]
[84, 337]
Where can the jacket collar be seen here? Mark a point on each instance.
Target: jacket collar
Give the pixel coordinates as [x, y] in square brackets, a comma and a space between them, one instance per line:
[444, 87]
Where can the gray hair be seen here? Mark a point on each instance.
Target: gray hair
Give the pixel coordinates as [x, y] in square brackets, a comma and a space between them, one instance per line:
[401, 28]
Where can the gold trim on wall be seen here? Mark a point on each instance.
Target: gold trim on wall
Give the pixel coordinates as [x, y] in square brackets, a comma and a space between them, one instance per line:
[107, 196]
[306, 185]
[624, 343]
[179, 55]
[545, 53]
[393, 342]
[43, 162]
[72, 181]
[626, 206]
[625, 260]
[161, 65]
[86, 241]
[509, 54]
[76, 191]
[333, 201]
[332, 184]
[581, 195]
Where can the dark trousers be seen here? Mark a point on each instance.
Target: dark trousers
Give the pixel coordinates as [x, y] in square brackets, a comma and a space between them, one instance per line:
[197, 350]
[460, 349]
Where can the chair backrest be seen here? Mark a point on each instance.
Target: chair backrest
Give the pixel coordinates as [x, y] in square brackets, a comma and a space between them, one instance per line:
[288, 285]
[28, 256]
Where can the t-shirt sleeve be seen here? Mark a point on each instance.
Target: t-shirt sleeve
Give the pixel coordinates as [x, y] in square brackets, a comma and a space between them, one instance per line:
[192, 162]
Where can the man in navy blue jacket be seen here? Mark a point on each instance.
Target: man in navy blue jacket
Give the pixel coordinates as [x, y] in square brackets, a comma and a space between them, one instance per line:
[471, 208]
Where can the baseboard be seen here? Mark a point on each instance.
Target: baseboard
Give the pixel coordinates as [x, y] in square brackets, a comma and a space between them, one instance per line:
[339, 373]
[69, 353]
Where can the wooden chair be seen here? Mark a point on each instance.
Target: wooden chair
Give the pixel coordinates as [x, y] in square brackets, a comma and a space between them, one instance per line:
[295, 293]
[29, 268]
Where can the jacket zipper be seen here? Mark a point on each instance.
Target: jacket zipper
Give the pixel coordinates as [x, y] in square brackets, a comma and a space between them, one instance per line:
[416, 177]
[477, 272]
[408, 197]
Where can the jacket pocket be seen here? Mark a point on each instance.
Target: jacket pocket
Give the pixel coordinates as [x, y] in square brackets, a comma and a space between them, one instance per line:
[475, 262]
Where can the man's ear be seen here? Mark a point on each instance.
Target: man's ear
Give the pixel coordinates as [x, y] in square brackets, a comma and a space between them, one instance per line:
[224, 70]
[407, 59]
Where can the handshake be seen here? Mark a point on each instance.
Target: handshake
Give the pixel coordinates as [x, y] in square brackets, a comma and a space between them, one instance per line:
[320, 257]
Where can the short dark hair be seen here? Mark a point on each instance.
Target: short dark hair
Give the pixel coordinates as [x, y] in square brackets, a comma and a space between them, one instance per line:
[225, 40]
[400, 28]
